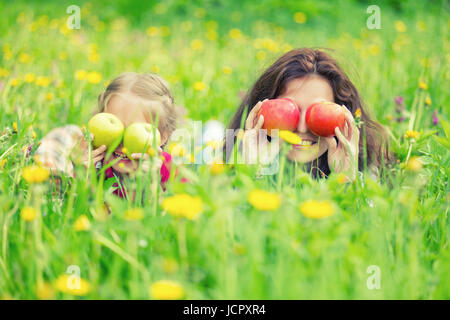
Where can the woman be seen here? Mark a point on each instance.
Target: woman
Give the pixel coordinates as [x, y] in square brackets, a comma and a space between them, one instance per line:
[307, 76]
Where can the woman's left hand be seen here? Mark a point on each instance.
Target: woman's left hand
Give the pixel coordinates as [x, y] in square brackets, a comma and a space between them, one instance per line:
[343, 156]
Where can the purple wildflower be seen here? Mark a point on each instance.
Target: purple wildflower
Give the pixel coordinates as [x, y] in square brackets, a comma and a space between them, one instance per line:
[435, 118]
[399, 100]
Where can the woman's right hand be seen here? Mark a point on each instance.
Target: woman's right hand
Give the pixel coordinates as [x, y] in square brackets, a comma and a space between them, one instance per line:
[256, 146]
[96, 155]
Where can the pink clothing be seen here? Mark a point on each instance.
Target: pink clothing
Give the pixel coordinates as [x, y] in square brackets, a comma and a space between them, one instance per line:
[164, 172]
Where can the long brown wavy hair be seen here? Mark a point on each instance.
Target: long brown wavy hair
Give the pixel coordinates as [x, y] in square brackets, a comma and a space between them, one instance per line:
[298, 63]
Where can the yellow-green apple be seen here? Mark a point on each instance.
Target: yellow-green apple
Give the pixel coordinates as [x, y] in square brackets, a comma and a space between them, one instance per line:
[281, 114]
[106, 129]
[138, 138]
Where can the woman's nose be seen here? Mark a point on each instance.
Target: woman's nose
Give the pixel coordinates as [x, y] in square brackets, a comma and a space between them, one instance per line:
[302, 127]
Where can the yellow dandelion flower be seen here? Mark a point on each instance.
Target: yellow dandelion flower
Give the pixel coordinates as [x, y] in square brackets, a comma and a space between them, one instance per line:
[290, 137]
[15, 126]
[44, 291]
[71, 284]
[170, 265]
[211, 35]
[358, 113]
[94, 56]
[43, 81]
[15, 82]
[121, 165]
[2, 163]
[264, 200]
[414, 164]
[214, 144]
[300, 17]
[342, 178]
[33, 134]
[374, 50]
[3, 73]
[94, 77]
[421, 26]
[82, 223]
[28, 214]
[316, 209]
[261, 55]
[411, 134]
[235, 33]
[400, 26]
[166, 290]
[49, 96]
[155, 69]
[217, 168]
[29, 78]
[428, 101]
[389, 117]
[196, 44]
[81, 74]
[227, 70]
[165, 31]
[199, 86]
[239, 249]
[24, 58]
[64, 30]
[35, 174]
[124, 150]
[423, 85]
[183, 205]
[134, 214]
[62, 56]
[176, 149]
[152, 31]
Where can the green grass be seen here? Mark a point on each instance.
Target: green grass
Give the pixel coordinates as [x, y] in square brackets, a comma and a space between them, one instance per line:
[232, 251]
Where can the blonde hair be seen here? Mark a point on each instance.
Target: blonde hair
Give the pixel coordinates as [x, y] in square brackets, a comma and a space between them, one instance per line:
[148, 87]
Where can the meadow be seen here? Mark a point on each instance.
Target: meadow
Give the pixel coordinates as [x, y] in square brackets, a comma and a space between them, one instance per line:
[225, 234]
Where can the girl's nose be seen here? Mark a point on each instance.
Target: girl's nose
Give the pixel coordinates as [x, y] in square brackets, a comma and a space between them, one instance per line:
[301, 127]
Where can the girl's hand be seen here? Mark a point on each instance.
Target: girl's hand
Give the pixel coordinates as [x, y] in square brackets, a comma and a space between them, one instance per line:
[96, 155]
[254, 143]
[146, 164]
[343, 157]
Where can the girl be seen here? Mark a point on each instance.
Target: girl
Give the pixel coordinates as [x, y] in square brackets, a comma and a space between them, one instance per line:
[132, 98]
[307, 76]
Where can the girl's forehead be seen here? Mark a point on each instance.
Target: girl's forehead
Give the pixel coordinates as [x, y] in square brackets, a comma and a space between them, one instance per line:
[131, 109]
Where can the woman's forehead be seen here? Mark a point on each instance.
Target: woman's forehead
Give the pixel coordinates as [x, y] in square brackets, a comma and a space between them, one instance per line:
[307, 90]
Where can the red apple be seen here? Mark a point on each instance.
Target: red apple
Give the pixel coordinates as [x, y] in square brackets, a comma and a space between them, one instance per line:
[323, 117]
[281, 114]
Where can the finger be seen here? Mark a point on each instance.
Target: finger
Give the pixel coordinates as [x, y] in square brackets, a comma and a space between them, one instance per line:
[332, 145]
[350, 121]
[342, 139]
[98, 158]
[137, 156]
[252, 115]
[260, 122]
[99, 150]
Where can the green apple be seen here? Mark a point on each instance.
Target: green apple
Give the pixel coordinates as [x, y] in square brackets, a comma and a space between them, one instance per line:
[106, 129]
[138, 138]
